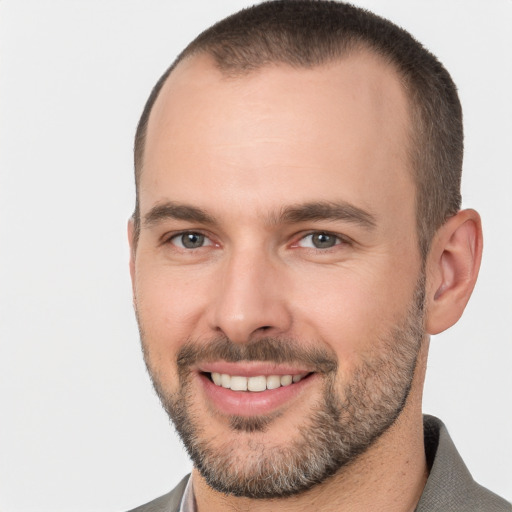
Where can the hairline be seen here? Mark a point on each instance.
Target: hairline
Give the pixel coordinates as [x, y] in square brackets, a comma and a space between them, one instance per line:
[354, 49]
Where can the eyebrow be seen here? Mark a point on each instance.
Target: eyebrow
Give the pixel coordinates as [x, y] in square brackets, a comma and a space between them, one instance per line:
[326, 210]
[293, 214]
[176, 211]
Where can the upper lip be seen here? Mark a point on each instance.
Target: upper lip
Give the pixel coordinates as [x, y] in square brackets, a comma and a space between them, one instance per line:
[251, 368]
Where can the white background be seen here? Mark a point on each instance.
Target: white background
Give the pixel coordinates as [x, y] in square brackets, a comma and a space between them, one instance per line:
[80, 427]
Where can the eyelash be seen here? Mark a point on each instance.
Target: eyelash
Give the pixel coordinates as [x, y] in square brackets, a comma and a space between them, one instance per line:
[175, 236]
[339, 240]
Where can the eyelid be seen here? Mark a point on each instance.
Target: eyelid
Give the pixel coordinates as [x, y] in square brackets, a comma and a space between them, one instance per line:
[169, 237]
[340, 239]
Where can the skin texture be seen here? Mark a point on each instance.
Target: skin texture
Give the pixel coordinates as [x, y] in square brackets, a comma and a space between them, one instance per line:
[242, 151]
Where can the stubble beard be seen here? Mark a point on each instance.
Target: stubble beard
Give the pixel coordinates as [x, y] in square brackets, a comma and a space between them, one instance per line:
[337, 430]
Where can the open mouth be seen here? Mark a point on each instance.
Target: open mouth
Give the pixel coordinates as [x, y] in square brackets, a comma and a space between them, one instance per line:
[256, 384]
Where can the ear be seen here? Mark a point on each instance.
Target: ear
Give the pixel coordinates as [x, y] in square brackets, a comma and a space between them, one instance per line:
[452, 268]
[131, 241]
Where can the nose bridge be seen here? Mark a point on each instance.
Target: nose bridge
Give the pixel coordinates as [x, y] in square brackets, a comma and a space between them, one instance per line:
[250, 297]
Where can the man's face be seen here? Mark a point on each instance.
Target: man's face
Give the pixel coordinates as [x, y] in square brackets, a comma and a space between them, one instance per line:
[278, 252]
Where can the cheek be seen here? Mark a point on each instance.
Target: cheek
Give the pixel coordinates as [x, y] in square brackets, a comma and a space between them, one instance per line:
[169, 305]
[351, 310]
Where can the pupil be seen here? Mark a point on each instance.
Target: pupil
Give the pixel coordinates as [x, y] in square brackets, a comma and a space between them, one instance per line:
[192, 240]
[323, 240]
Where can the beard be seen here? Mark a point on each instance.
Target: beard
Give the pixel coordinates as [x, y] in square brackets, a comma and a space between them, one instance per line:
[341, 425]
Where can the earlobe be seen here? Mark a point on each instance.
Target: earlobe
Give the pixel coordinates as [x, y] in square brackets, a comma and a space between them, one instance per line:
[452, 269]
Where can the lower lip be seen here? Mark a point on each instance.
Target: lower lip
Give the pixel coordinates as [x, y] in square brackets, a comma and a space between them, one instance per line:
[251, 403]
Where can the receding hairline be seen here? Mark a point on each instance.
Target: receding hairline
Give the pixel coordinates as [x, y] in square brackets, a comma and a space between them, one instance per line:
[355, 50]
[310, 33]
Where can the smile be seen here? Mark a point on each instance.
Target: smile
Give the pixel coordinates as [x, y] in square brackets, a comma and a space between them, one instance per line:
[255, 384]
[252, 388]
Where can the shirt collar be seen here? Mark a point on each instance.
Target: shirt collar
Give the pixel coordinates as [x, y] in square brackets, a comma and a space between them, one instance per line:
[188, 501]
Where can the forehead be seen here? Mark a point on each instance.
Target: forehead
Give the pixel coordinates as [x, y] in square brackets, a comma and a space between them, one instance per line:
[289, 132]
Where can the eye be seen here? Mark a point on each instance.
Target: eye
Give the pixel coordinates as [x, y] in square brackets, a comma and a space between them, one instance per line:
[319, 240]
[190, 240]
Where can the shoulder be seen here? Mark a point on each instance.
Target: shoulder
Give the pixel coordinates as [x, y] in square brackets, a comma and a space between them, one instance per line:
[450, 485]
[169, 502]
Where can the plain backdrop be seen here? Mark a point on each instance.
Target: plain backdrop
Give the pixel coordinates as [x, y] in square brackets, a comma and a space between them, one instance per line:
[80, 427]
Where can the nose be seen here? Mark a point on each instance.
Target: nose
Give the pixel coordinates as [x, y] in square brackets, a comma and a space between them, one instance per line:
[251, 298]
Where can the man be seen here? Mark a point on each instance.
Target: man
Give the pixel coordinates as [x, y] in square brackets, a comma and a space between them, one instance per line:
[297, 238]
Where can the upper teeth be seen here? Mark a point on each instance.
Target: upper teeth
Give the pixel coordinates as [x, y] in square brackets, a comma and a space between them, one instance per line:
[259, 383]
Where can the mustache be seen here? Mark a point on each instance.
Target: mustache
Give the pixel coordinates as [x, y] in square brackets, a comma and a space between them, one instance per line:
[268, 349]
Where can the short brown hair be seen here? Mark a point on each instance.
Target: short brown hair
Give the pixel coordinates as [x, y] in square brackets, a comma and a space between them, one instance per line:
[309, 33]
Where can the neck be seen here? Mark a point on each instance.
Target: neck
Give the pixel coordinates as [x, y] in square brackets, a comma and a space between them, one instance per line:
[389, 476]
